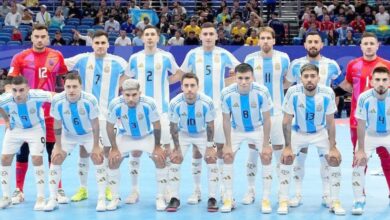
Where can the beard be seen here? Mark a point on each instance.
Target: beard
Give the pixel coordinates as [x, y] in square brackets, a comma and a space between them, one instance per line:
[381, 90]
[313, 53]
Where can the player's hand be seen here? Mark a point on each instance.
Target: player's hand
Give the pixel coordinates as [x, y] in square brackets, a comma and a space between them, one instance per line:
[360, 158]
[167, 151]
[287, 156]
[227, 151]
[211, 152]
[176, 156]
[97, 154]
[266, 152]
[114, 157]
[333, 157]
[58, 154]
[158, 154]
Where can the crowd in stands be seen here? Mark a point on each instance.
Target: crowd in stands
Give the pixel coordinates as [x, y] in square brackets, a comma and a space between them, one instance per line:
[237, 23]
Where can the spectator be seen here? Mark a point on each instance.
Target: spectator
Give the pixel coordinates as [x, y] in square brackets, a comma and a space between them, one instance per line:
[163, 25]
[332, 39]
[253, 39]
[222, 6]
[324, 12]
[204, 4]
[58, 20]
[132, 5]
[76, 41]
[16, 35]
[191, 39]
[27, 19]
[350, 15]
[176, 40]
[318, 8]
[222, 40]
[239, 29]
[342, 31]
[327, 25]
[64, 8]
[349, 40]
[128, 26]
[122, 11]
[43, 17]
[87, 38]
[4, 9]
[19, 6]
[271, 5]
[227, 27]
[74, 12]
[254, 20]
[348, 4]
[278, 27]
[137, 41]
[237, 9]
[382, 17]
[99, 19]
[142, 24]
[13, 18]
[223, 15]
[104, 8]
[192, 27]
[178, 9]
[360, 7]
[340, 19]
[88, 10]
[165, 13]
[334, 7]
[238, 40]
[123, 39]
[368, 16]
[305, 15]
[111, 25]
[58, 40]
[312, 23]
[30, 3]
[358, 25]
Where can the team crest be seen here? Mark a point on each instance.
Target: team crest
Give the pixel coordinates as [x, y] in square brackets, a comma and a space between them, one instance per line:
[67, 112]
[236, 105]
[107, 69]
[141, 65]
[373, 111]
[258, 67]
[51, 62]
[90, 67]
[198, 114]
[199, 60]
[32, 111]
[253, 105]
[82, 111]
[140, 116]
[217, 59]
[158, 66]
[319, 108]
[125, 117]
[277, 66]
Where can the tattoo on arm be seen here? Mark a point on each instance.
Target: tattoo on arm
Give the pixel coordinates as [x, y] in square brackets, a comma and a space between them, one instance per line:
[58, 131]
[287, 133]
[210, 131]
[175, 134]
[157, 136]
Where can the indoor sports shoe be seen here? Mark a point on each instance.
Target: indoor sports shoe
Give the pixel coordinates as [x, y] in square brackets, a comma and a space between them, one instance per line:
[160, 204]
[212, 205]
[228, 205]
[249, 197]
[81, 194]
[266, 206]
[108, 194]
[133, 197]
[51, 205]
[5, 202]
[358, 207]
[173, 205]
[101, 205]
[61, 197]
[336, 208]
[40, 204]
[17, 197]
[295, 201]
[195, 198]
[114, 204]
[283, 207]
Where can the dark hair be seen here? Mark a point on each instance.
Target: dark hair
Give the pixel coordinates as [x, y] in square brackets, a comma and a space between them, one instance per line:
[99, 33]
[72, 75]
[19, 80]
[39, 27]
[369, 34]
[190, 76]
[151, 27]
[208, 25]
[243, 68]
[381, 69]
[309, 66]
[313, 33]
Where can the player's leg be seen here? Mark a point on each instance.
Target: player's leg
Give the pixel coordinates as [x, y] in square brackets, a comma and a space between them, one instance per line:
[195, 197]
[266, 161]
[210, 157]
[21, 170]
[299, 173]
[105, 141]
[358, 184]
[384, 156]
[277, 139]
[83, 165]
[134, 173]
[251, 171]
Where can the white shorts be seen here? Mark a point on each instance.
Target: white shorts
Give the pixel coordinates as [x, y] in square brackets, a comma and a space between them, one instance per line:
[186, 140]
[371, 142]
[35, 137]
[104, 140]
[165, 129]
[70, 141]
[319, 139]
[219, 135]
[255, 137]
[277, 137]
[126, 144]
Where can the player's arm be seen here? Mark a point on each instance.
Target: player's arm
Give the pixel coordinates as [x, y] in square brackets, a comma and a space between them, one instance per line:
[360, 157]
[176, 77]
[331, 127]
[174, 130]
[231, 78]
[95, 132]
[58, 133]
[343, 88]
[286, 83]
[287, 121]
[111, 136]
[210, 132]
[5, 117]
[122, 79]
[227, 130]
[266, 128]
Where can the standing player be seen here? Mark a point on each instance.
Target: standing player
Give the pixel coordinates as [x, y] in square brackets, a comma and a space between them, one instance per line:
[373, 130]
[246, 108]
[24, 115]
[329, 70]
[40, 66]
[139, 117]
[209, 63]
[150, 67]
[359, 74]
[101, 74]
[269, 69]
[312, 107]
[77, 112]
[192, 115]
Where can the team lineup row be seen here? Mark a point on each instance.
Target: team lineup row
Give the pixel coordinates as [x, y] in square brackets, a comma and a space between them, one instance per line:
[251, 112]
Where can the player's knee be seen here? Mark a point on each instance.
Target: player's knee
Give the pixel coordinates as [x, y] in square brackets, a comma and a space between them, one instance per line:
[196, 153]
[288, 160]
[210, 159]
[113, 166]
[83, 152]
[37, 160]
[177, 160]
[6, 160]
[266, 159]
[228, 158]
[136, 153]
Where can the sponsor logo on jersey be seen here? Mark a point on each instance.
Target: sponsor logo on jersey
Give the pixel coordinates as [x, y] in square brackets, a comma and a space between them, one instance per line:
[373, 111]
